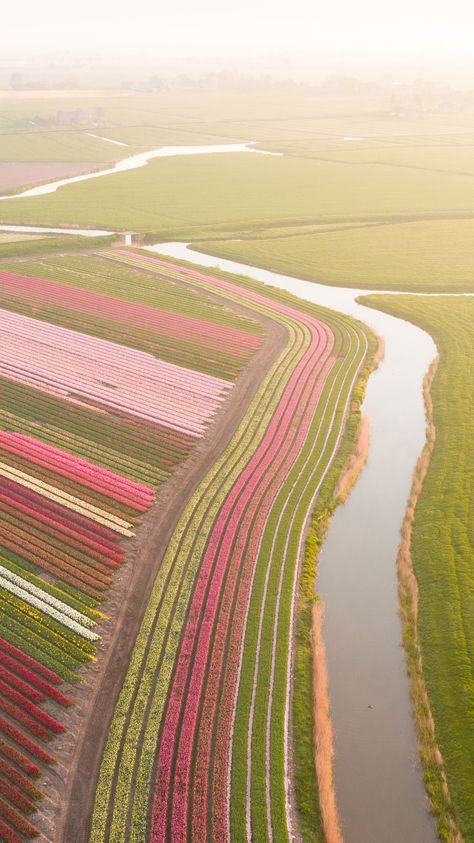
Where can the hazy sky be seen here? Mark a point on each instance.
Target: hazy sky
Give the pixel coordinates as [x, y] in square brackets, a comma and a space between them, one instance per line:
[404, 30]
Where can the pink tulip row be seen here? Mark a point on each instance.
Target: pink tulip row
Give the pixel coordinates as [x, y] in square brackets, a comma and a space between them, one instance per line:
[175, 326]
[252, 495]
[81, 471]
[59, 457]
[70, 364]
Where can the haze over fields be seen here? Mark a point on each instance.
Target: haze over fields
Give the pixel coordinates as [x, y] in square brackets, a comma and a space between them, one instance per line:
[405, 38]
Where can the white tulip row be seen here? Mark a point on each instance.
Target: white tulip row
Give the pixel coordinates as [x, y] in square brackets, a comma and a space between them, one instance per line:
[47, 603]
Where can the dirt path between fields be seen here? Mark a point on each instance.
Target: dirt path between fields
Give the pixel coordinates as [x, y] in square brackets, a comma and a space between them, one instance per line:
[72, 788]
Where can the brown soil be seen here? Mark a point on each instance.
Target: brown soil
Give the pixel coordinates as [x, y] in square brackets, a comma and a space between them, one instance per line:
[324, 749]
[355, 462]
[408, 590]
[14, 175]
[71, 788]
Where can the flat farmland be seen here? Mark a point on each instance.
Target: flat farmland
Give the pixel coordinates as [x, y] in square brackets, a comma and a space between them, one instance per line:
[423, 256]
[243, 192]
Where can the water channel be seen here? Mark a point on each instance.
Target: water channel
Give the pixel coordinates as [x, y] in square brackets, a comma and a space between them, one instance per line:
[378, 780]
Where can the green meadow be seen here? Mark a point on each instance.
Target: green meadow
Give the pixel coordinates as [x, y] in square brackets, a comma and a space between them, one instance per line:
[443, 540]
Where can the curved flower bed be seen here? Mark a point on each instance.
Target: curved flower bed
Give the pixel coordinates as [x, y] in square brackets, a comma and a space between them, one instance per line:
[171, 739]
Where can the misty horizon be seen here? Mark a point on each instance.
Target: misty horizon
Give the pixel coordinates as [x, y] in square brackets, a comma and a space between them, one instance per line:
[406, 40]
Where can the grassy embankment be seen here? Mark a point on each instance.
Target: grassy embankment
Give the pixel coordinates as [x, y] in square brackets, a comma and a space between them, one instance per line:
[442, 551]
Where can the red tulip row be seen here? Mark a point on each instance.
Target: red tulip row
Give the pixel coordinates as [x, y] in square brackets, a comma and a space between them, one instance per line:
[24, 763]
[43, 524]
[24, 659]
[34, 681]
[15, 682]
[84, 526]
[18, 779]
[16, 796]
[19, 823]
[8, 835]
[19, 737]
[82, 581]
[80, 469]
[20, 708]
[36, 552]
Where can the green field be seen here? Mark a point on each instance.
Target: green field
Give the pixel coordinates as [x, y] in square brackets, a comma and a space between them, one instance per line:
[59, 146]
[196, 197]
[428, 256]
[443, 540]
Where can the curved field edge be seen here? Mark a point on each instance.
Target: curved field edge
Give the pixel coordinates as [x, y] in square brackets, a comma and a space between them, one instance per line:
[435, 564]
[240, 758]
[126, 701]
[259, 251]
[304, 738]
[101, 793]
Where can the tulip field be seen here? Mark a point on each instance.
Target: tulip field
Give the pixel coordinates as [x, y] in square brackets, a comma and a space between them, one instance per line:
[200, 744]
[93, 421]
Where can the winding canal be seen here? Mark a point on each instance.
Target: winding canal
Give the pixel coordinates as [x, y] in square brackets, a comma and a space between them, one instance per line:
[378, 781]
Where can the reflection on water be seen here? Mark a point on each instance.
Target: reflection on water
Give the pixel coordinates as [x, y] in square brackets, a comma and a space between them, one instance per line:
[378, 782]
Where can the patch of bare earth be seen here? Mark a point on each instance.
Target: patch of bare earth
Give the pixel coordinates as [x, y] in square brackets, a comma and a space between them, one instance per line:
[15, 174]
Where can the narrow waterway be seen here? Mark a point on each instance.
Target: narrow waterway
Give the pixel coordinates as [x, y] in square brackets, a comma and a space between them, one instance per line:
[134, 162]
[378, 780]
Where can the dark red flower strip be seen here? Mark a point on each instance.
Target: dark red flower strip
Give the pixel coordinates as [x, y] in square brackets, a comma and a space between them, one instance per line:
[48, 561]
[90, 527]
[25, 742]
[15, 682]
[30, 662]
[20, 780]
[39, 542]
[21, 716]
[8, 835]
[86, 584]
[31, 709]
[16, 797]
[61, 521]
[36, 681]
[40, 523]
[10, 815]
